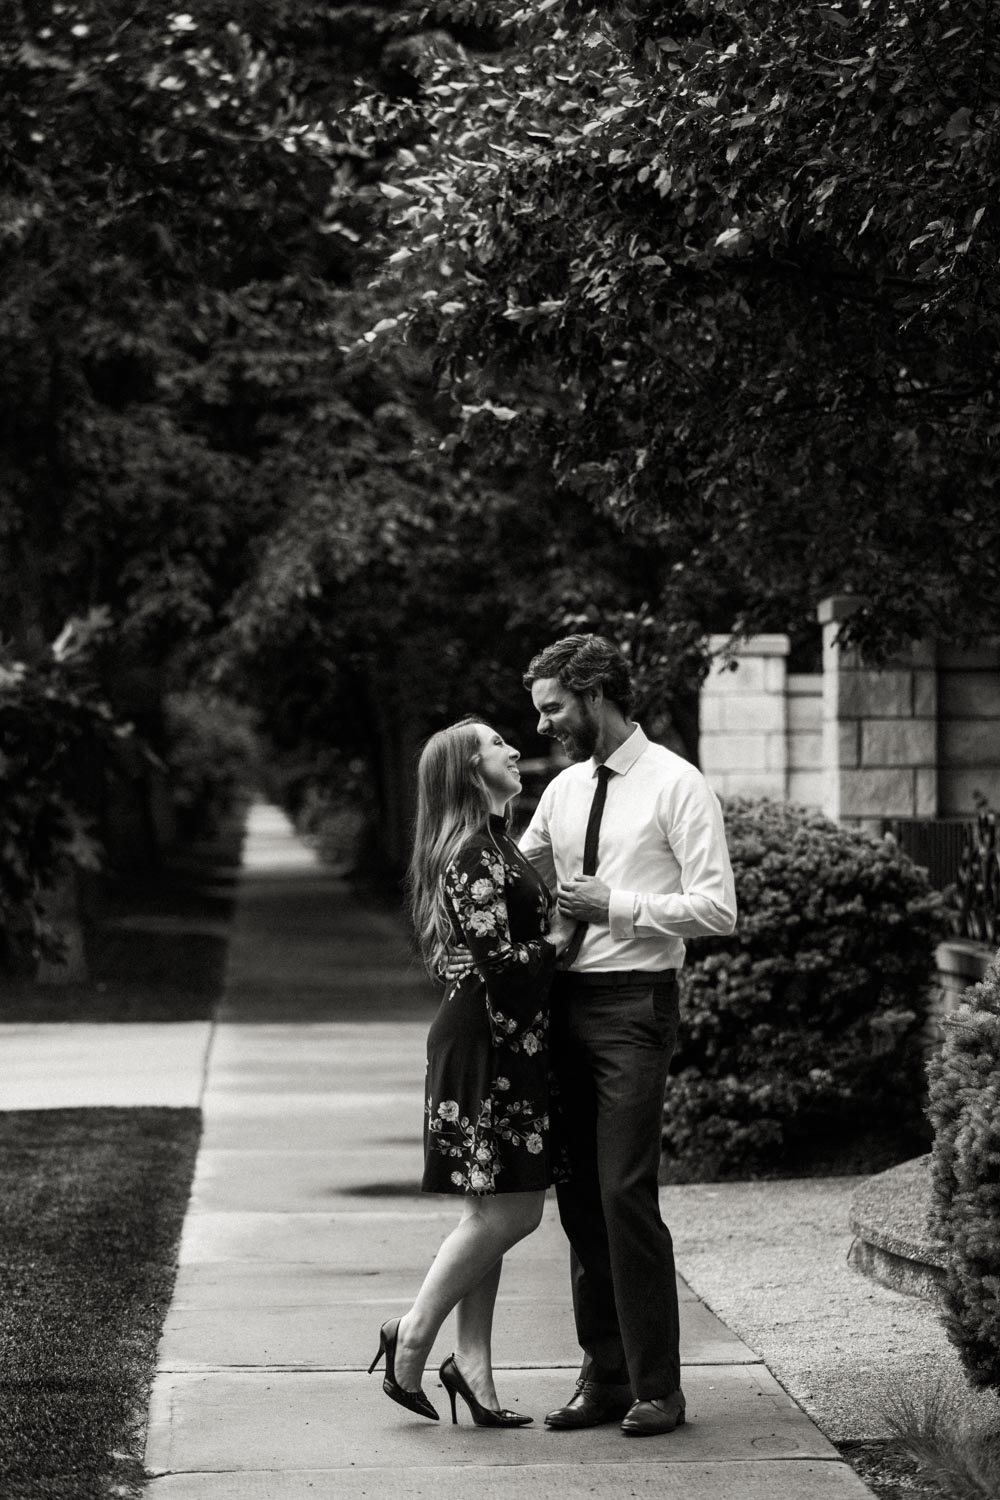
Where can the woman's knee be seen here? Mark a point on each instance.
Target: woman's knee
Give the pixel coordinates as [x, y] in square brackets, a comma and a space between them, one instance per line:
[513, 1215]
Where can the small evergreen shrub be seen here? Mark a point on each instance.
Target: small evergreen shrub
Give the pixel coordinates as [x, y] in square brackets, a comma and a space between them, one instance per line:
[965, 1113]
[808, 1018]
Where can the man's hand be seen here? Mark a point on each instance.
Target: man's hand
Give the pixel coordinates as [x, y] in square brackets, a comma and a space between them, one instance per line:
[458, 963]
[585, 899]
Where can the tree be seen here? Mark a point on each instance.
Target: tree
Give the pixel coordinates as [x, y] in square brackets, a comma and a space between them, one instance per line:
[731, 270]
[180, 224]
[407, 592]
[189, 441]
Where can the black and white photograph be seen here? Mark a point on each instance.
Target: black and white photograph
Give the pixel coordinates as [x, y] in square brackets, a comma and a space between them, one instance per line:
[499, 749]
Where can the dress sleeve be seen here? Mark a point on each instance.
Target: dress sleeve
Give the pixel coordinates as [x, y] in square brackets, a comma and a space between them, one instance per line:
[517, 975]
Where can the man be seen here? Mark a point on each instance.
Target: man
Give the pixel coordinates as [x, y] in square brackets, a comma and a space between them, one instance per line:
[631, 838]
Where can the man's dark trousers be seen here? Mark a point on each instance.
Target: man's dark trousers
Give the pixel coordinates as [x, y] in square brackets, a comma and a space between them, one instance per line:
[611, 1041]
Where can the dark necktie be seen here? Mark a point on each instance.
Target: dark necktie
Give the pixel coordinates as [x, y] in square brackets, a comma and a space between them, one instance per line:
[589, 857]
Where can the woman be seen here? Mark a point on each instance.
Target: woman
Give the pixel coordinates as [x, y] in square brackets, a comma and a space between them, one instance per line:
[486, 1126]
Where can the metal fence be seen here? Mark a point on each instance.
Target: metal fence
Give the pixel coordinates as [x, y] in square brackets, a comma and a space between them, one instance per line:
[962, 859]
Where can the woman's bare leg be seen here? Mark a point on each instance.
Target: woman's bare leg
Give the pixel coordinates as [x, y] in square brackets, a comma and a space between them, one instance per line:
[474, 1335]
[468, 1263]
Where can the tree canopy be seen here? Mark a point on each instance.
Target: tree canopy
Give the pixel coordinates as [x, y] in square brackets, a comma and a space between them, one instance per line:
[180, 219]
[731, 270]
[700, 307]
[191, 441]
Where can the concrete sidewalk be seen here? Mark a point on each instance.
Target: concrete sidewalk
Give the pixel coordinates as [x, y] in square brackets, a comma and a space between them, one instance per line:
[306, 1230]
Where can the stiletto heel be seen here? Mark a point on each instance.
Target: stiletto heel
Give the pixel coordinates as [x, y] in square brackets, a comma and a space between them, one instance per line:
[455, 1384]
[414, 1401]
[381, 1350]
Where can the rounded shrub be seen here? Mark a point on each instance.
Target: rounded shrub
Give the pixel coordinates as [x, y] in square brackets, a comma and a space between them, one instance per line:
[807, 1021]
[965, 1169]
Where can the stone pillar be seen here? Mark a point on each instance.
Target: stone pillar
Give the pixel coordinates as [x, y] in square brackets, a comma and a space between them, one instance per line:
[805, 738]
[743, 723]
[969, 730]
[879, 729]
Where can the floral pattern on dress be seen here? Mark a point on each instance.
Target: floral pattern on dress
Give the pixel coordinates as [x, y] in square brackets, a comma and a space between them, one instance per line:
[473, 1142]
[486, 1126]
[476, 885]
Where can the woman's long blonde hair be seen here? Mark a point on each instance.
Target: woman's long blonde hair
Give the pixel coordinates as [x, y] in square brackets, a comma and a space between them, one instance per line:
[452, 802]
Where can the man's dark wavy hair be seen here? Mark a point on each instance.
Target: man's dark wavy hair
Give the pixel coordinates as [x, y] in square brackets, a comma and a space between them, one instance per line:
[581, 662]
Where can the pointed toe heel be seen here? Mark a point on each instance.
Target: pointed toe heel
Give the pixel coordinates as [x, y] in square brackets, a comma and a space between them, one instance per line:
[414, 1401]
[455, 1384]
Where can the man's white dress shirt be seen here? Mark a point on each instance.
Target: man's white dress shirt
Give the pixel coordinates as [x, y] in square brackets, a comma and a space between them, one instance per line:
[662, 852]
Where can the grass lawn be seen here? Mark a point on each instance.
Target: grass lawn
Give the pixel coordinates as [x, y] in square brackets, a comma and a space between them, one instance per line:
[93, 1203]
[92, 1200]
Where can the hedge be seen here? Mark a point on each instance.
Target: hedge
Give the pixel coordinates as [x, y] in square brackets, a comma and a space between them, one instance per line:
[808, 1018]
[965, 1112]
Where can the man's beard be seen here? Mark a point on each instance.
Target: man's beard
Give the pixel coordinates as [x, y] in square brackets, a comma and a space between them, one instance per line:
[581, 740]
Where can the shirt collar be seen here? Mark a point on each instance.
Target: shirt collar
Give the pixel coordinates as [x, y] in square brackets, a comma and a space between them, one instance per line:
[624, 758]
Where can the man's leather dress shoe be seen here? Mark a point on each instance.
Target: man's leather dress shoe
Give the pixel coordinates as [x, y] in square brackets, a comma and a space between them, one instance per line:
[648, 1418]
[591, 1404]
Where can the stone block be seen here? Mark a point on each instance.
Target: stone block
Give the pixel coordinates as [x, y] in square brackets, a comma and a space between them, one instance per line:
[776, 752]
[775, 644]
[735, 752]
[747, 676]
[747, 713]
[969, 695]
[805, 752]
[863, 695]
[898, 742]
[959, 789]
[805, 684]
[970, 742]
[925, 695]
[807, 787]
[775, 675]
[848, 744]
[805, 713]
[925, 792]
[876, 793]
[710, 711]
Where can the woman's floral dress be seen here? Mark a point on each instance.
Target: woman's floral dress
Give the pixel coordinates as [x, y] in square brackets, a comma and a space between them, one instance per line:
[486, 1124]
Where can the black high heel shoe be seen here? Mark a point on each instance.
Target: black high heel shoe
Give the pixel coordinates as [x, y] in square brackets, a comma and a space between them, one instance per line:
[414, 1401]
[455, 1384]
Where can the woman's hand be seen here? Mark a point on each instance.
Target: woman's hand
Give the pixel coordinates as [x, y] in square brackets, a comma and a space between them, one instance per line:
[456, 965]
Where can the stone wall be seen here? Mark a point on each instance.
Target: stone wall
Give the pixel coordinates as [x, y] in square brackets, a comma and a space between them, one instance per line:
[806, 781]
[968, 728]
[879, 730]
[918, 738]
[743, 718]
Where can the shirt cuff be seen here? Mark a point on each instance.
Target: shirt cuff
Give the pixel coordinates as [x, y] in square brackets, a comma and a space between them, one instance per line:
[621, 916]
